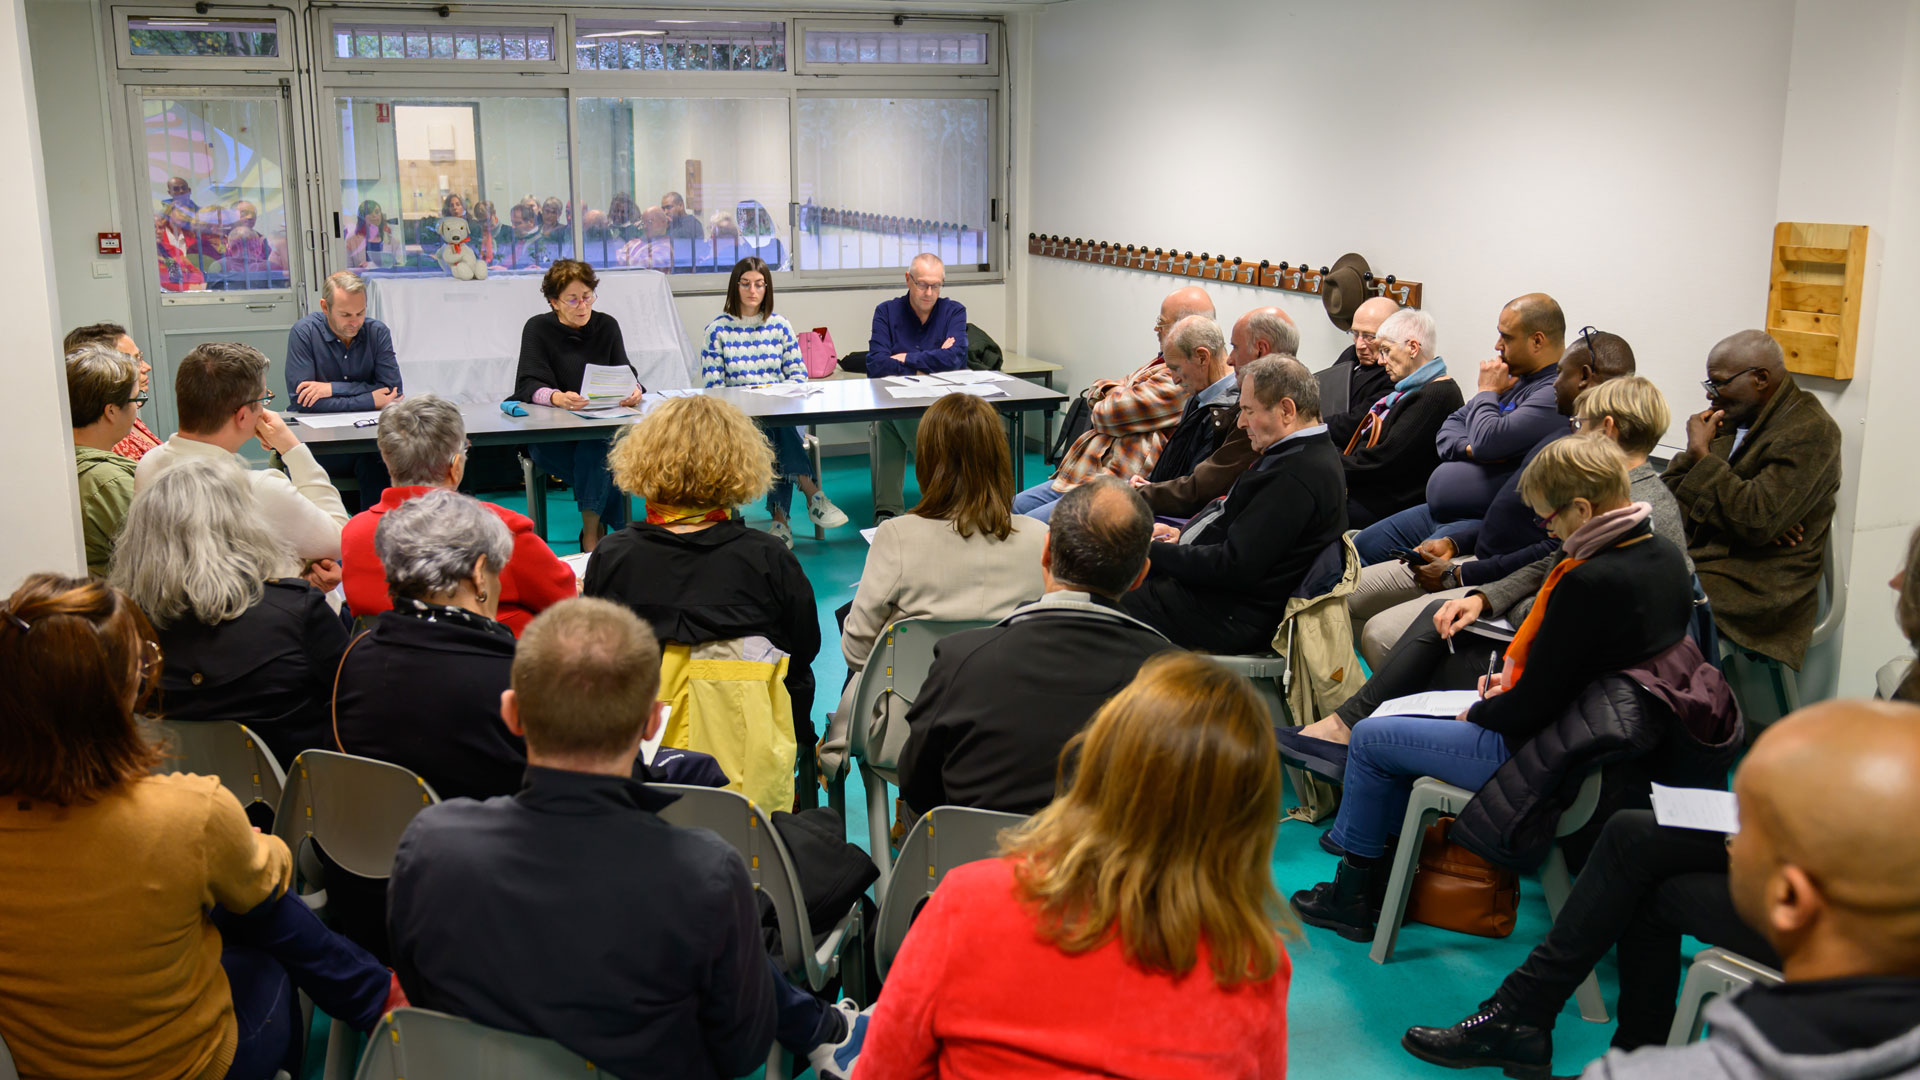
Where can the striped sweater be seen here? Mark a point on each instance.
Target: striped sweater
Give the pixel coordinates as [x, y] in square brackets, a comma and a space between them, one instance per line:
[751, 352]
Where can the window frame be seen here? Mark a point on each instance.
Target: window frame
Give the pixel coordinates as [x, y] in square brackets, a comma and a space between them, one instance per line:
[990, 68]
[560, 62]
[126, 60]
[624, 76]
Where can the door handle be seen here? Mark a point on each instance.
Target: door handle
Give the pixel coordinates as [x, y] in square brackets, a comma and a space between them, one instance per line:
[259, 307]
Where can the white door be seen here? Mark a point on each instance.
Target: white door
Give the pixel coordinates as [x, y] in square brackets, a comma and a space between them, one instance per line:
[223, 259]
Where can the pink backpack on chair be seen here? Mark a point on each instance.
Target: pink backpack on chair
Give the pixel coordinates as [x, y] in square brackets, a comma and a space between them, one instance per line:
[816, 351]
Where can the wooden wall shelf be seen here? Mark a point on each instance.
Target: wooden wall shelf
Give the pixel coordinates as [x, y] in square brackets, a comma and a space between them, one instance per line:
[1813, 296]
[1263, 274]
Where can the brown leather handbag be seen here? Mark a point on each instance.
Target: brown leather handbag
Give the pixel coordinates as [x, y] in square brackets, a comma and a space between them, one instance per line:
[1458, 890]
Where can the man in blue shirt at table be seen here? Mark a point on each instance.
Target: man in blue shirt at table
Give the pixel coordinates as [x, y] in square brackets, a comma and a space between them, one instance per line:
[338, 360]
[914, 334]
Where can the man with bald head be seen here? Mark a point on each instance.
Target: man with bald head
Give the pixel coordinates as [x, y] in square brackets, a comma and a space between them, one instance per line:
[1356, 380]
[1826, 867]
[1130, 418]
[1758, 484]
[914, 334]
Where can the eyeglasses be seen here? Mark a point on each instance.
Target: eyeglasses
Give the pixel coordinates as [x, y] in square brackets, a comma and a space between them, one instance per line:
[136, 401]
[1587, 334]
[263, 401]
[1361, 337]
[577, 301]
[1581, 423]
[150, 657]
[1543, 522]
[1713, 386]
[927, 285]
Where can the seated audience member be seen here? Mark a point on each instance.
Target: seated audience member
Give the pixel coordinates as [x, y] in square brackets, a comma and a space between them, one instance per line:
[914, 334]
[423, 442]
[1221, 585]
[1357, 375]
[483, 224]
[246, 254]
[958, 554]
[1260, 332]
[681, 225]
[692, 569]
[1480, 446]
[101, 395]
[553, 224]
[114, 336]
[373, 241]
[1762, 466]
[581, 943]
[1000, 702]
[1196, 353]
[1390, 454]
[1825, 867]
[178, 250]
[1143, 892]
[725, 228]
[221, 394]
[339, 360]
[145, 925]
[246, 642]
[1620, 598]
[1506, 535]
[1129, 418]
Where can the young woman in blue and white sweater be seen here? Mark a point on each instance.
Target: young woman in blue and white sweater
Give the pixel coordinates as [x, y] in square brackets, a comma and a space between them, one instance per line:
[748, 345]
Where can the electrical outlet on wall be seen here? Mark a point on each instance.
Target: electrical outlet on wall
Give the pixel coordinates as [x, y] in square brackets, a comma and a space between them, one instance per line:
[102, 268]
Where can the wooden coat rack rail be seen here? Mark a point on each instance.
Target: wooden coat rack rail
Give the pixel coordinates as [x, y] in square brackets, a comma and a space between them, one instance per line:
[1265, 274]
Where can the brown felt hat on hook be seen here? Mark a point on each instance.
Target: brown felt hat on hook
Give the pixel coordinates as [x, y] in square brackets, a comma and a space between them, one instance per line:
[1345, 289]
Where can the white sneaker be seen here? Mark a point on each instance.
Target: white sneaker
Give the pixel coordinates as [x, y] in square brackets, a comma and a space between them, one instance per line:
[785, 532]
[822, 512]
[834, 1060]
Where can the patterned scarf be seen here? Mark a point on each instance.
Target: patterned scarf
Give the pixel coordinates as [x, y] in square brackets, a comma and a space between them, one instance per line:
[1375, 424]
[662, 514]
[420, 609]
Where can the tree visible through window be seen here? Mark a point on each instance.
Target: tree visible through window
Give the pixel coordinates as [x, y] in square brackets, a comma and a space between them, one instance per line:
[157, 36]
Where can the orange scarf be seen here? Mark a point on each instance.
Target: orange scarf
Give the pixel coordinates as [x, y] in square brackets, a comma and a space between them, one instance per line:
[662, 514]
[1530, 626]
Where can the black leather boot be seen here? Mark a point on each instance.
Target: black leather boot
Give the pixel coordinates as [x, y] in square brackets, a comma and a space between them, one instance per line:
[1342, 905]
[1490, 1038]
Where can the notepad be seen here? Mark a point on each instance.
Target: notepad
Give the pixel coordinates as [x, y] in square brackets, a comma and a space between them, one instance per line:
[1447, 703]
[335, 419]
[1696, 808]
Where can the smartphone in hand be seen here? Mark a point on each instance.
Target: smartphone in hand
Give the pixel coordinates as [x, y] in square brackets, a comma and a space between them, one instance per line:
[1409, 556]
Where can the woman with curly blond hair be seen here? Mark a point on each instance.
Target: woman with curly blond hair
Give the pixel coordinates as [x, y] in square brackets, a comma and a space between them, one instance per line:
[1143, 894]
[692, 568]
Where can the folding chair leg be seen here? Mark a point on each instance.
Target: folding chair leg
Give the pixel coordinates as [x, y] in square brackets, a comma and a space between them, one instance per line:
[343, 1051]
[536, 483]
[812, 440]
[1406, 863]
[777, 1062]
[1686, 1015]
[879, 829]
[1786, 687]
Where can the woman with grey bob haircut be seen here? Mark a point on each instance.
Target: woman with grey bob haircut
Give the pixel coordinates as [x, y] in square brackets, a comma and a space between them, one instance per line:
[241, 642]
[423, 441]
[444, 548]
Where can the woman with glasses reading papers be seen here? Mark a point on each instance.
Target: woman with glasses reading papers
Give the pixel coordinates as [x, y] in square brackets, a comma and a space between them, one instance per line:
[557, 349]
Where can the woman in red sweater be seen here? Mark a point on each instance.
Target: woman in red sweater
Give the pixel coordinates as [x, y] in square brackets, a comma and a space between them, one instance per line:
[1143, 892]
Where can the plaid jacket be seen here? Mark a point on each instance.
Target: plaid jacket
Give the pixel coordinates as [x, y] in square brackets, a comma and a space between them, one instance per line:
[1131, 420]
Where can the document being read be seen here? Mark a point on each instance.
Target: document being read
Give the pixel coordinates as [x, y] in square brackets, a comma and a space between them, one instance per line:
[1696, 808]
[605, 386]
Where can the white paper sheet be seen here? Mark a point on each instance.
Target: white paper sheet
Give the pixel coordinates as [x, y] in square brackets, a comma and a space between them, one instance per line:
[650, 747]
[918, 393]
[606, 384]
[1447, 703]
[336, 419]
[786, 389]
[979, 390]
[966, 375]
[1696, 808]
[578, 562]
[867, 534]
[607, 412]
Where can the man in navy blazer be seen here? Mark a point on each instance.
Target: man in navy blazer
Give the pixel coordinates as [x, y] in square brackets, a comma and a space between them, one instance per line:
[914, 334]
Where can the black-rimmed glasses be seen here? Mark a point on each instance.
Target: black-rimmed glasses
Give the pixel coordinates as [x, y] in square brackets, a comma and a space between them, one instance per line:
[1713, 386]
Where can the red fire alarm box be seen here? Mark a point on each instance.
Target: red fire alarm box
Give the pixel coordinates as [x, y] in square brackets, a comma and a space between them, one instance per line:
[109, 243]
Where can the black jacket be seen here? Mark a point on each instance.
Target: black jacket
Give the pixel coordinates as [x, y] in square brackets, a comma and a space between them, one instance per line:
[555, 355]
[1670, 719]
[1000, 702]
[1391, 475]
[1281, 514]
[571, 911]
[725, 581]
[426, 695]
[271, 668]
[1348, 388]
[1201, 430]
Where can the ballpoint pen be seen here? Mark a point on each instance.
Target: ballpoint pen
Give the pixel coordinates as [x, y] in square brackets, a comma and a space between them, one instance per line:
[1492, 662]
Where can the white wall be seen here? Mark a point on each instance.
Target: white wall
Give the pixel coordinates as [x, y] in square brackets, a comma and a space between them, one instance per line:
[37, 487]
[74, 136]
[1629, 158]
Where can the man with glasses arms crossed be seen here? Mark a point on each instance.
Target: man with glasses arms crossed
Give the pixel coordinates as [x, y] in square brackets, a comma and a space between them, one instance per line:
[220, 392]
[1757, 485]
[914, 334]
[1366, 379]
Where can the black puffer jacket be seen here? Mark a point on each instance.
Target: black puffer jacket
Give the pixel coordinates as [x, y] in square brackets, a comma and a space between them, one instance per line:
[1671, 719]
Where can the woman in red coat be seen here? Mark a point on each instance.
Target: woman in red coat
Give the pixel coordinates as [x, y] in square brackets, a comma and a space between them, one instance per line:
[1142, 893]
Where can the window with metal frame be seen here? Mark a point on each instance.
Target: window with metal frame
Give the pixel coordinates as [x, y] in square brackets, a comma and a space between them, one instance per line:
[162, 35]
[920, 47]
[679, 45]
[357, 41]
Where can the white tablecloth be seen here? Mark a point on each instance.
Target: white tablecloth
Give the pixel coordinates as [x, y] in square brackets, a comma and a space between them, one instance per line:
[461, 339]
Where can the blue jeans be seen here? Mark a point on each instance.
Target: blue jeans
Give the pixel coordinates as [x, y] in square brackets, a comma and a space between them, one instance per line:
[1406, 529]
[268, 953]
[583, 465]
[1037, 501]
[1388, 754]
[789, 460]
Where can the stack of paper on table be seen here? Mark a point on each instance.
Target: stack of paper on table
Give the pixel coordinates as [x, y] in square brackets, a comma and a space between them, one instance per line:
[335, 419]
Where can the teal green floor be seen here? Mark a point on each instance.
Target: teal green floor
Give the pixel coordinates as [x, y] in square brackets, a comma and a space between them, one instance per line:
[1345, 1013]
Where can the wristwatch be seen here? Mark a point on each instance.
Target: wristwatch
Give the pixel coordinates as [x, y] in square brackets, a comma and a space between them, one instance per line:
[1450, 578]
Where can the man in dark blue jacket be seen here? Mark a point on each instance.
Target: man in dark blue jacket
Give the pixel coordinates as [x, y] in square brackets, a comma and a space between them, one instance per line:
[915, 334]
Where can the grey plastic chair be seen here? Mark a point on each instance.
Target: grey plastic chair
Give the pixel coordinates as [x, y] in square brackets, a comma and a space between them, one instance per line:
[229, 751]
[1785, 681]
[1268, 674]
[354, 807]
[896, 667]
[1714, 973]
[7, 1071]
[1432, 799]
[419, 1044]
[943, 838]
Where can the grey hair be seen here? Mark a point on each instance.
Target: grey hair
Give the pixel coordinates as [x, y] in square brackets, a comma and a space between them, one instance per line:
[195, 546]
[1280, 335]
[1411, 323]
[429, 543]
[342, 283]
[98, 376]
[1271, 378]
[928, 259]
[420, 437]
[1197, 332]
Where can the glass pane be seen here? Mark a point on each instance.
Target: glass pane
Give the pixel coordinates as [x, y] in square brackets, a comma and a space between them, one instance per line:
[343, 44]
[153, 35]
[895, 47]
[498, 163]
[516, 46]
[442, 42]
[883, 179]
[213, 175]
[679, 45]
[489, 46]
[466, 46]
[418, 45]
[442, 46]
[640, 209]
